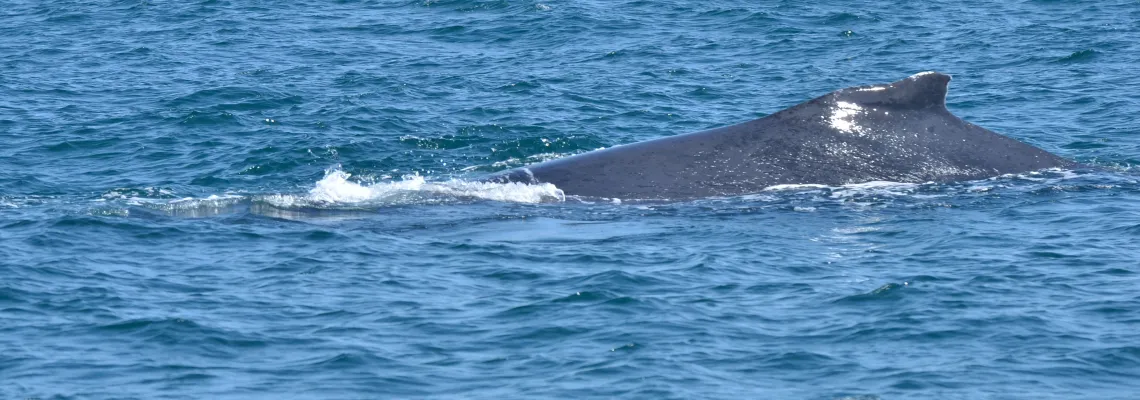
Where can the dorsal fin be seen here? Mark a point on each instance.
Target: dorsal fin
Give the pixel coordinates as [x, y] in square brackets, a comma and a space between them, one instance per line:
[920, 90]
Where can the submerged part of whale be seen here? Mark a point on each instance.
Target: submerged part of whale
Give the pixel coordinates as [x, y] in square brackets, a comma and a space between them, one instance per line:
[898, 132]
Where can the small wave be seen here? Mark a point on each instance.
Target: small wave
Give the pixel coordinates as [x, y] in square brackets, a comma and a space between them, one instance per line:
[126, 193]
[889, 292]
[184, 207]
[1079, 56]
[23, 201]
[855, 230]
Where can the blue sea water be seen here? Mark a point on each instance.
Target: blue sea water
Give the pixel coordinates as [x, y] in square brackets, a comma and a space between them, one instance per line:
[266, 199]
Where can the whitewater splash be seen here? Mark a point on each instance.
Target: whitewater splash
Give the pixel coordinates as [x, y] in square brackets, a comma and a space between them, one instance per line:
[334, 196]
[336, 190]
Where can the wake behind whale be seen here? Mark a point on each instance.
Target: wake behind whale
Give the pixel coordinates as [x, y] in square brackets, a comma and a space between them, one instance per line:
[898, 132]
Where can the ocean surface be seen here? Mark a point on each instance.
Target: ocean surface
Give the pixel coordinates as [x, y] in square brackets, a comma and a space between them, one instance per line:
[279, 200]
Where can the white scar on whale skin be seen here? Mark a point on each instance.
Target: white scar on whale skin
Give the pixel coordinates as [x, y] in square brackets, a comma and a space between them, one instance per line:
[841, 117]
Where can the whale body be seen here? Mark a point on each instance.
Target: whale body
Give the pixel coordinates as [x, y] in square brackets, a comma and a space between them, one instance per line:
[899, 132]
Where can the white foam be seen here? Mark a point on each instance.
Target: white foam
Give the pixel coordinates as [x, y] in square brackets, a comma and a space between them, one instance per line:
[852, 186]
[335, 189]
[855, 230]
[136, 194]
[875, 188]
[188, 206]
[880, 185]
[211, 201]
[795, 187]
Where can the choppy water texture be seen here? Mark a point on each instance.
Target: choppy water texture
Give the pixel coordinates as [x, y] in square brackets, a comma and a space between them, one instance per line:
[262, 199]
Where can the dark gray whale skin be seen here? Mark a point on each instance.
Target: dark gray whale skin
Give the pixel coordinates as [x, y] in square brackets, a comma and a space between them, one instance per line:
[899, 132]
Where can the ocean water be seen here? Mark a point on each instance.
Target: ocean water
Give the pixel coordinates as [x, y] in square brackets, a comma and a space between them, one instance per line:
[250, 199]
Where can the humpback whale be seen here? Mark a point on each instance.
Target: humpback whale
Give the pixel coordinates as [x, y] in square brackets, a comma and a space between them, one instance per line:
[900, 132]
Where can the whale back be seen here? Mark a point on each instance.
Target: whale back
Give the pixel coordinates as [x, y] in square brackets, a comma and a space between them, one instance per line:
[899, 132]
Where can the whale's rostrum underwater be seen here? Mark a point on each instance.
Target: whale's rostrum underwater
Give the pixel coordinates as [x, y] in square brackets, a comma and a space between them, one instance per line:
[898, 132]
